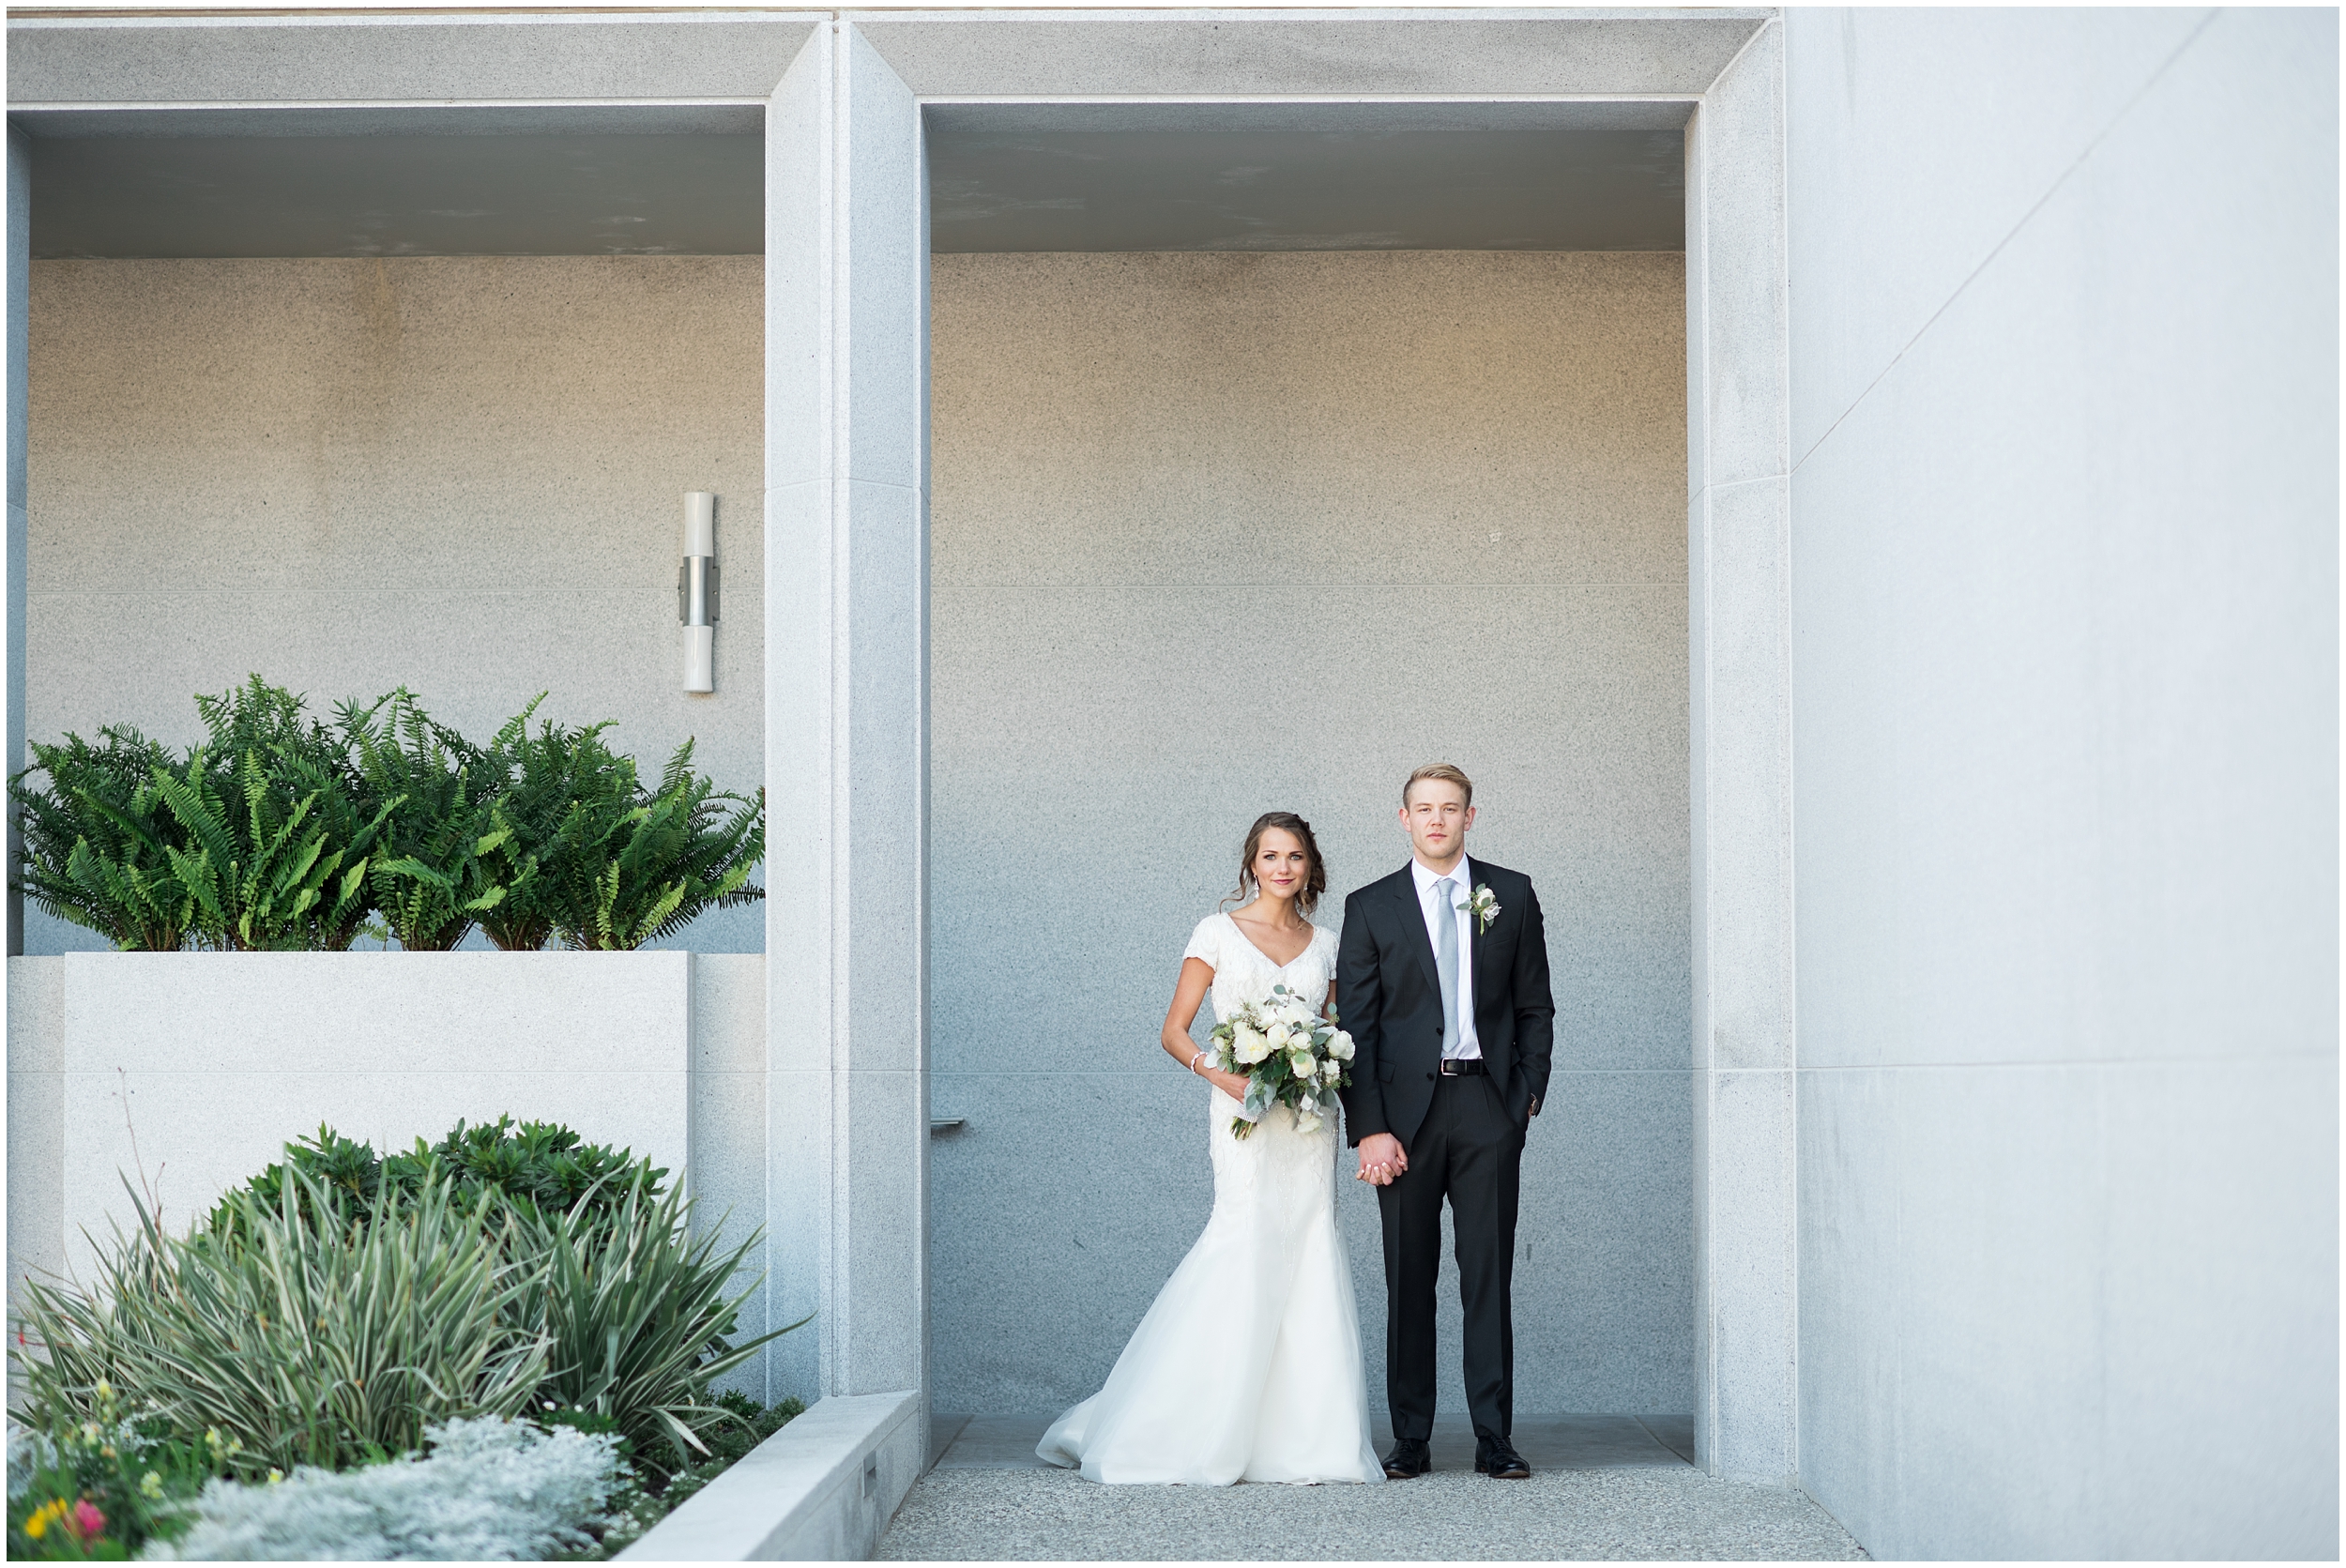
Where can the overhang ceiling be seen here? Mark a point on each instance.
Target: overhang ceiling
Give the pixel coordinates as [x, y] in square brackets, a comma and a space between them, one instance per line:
[1362, 176]
[618, 181]
[647, 180]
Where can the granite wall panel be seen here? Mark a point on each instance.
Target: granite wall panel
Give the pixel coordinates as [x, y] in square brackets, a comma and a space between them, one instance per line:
[2065, 532]
[1219, 534]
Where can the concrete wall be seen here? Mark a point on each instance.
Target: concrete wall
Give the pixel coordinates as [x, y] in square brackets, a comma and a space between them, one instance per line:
[2064, 339]
[466, 475]
[1216, 534]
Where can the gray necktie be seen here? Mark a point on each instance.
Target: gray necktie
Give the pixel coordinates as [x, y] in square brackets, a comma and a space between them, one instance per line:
[1446, 960]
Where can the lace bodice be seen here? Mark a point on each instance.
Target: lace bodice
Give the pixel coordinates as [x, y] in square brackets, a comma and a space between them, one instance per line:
[1244, 973]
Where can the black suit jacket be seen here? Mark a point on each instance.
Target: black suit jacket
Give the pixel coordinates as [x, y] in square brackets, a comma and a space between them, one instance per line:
[1388, 996]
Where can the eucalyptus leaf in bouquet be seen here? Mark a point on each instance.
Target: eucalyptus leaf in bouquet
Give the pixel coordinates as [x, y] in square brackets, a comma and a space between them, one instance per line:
[1291, 1053]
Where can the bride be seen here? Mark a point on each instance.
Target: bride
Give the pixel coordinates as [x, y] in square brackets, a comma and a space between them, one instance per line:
[1248, 1365]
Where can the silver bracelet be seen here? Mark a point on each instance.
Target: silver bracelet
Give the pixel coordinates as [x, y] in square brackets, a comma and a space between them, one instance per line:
[1193, 1060]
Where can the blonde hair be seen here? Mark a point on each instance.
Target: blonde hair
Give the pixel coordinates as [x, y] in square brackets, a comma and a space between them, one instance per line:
[1445, 771]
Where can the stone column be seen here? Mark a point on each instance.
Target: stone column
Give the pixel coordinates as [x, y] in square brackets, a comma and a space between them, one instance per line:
[20, 552]
[1737, 564]
[847, 722]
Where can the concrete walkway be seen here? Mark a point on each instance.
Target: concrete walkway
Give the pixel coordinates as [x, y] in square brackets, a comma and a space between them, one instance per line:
[1602, 1487]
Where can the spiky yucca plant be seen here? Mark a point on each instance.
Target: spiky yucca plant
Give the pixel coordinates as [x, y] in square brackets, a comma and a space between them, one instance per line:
[95, 842]
[638, 1309]
[329, 1334]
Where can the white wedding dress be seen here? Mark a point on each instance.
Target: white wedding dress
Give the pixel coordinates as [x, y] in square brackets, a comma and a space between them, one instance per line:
[1248, 1365]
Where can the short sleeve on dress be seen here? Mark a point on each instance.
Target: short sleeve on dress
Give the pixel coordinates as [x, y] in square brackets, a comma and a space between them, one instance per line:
[1204, 943]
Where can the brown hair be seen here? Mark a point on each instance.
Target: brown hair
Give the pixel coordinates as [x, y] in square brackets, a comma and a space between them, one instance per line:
[1443, 771]
[1315, 882]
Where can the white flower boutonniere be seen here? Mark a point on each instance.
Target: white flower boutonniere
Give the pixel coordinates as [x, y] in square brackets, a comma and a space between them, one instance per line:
[1484, 905]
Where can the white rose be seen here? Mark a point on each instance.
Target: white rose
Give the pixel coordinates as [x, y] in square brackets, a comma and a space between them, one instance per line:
[1331, 1070]
[1278, 1037]
[1306, 1121]
[1340, 1045]
[1251, 1046]
[1300, 1063]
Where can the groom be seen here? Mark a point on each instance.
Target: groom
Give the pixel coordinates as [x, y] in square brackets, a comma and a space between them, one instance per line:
[1442, 980]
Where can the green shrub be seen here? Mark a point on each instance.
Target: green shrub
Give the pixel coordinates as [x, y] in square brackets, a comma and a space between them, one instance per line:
[305, 1340]
[97, 841]
[627, 871]
[559, 779]
[638, 1311]
[434, 873]
[280, 834]
[570, 1262]
[278, 830]
[537, 1168]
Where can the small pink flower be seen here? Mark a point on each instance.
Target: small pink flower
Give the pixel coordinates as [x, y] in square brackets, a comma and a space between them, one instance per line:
[87, 1522]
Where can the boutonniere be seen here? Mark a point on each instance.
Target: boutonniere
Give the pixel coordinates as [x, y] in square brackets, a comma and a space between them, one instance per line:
[1484, 908]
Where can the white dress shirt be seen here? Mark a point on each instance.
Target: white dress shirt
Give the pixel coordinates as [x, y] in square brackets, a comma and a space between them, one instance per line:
[1461, 1041]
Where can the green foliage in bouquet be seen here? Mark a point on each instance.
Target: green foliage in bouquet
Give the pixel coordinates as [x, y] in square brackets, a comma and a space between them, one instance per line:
[303, 1340]
[1290, 1054]
[626, 870]
[97, 841]
[435, 872]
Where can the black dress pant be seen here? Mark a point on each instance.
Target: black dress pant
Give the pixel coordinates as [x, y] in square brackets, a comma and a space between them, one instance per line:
[1470, 1150]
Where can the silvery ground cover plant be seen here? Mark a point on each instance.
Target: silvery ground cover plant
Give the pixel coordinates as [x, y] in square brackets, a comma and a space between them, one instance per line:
[500, 1346]
[1291, 1055]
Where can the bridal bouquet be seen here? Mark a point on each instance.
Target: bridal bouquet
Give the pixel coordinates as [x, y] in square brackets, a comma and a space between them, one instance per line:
[1290, 1055]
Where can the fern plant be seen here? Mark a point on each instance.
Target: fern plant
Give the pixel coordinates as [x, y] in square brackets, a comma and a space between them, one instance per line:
[279, 833]
[435, 875]
[263, 874]
[627, 877]
[97, 841]
[542, 780]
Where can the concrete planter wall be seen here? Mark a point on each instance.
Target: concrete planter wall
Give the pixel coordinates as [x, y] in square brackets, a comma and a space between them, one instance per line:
[187, 1073]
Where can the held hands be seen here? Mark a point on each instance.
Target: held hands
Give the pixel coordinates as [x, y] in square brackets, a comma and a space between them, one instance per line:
[1382, 1158]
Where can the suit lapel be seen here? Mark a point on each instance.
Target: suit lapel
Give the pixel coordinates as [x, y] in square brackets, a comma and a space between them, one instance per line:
[1413, 923]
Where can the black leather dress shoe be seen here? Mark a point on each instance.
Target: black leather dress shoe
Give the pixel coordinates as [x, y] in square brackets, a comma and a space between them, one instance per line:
[1499, 1460]
[1409, 1456]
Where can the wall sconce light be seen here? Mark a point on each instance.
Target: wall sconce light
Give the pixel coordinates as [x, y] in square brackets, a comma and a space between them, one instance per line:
[696, 591]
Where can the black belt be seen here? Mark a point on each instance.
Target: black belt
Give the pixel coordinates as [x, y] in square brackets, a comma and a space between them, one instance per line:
[1459, 1066]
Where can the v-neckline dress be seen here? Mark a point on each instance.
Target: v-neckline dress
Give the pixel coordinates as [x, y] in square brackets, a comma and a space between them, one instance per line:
[1248, 1365]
